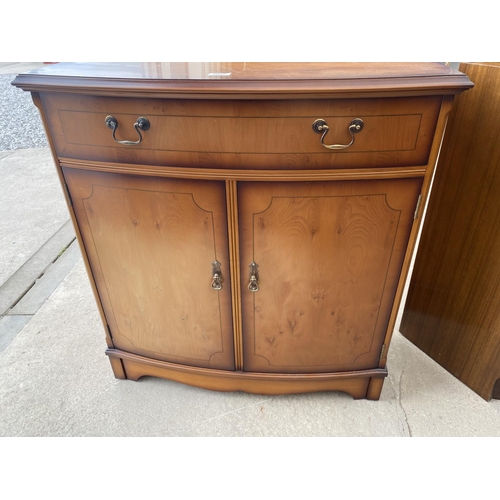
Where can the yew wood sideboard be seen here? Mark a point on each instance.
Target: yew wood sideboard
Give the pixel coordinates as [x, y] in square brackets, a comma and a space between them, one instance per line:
[247, 226]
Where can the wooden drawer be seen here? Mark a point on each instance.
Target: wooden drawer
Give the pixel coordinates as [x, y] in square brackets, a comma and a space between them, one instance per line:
[256, 134]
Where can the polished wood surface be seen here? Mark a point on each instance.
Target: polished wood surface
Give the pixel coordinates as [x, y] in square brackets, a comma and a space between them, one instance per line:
[452, 311]
[329, 257]
[245, 71]
[246, 174]
[244, 134]
[414, 235]
[223, 151]
[247, 80]
[354, 383]
[151, 244]
[234, 261]
[116, 366]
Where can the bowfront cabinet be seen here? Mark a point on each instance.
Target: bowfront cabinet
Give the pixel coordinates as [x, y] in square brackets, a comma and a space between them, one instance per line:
[247, 226]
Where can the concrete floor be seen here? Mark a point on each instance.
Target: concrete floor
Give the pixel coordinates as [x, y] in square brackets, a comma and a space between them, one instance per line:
[56, 381]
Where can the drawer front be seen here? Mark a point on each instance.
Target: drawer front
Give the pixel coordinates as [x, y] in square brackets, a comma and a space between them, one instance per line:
[244, 134]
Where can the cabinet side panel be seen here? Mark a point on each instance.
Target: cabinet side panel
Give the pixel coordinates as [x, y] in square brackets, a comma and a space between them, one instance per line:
[151, 244]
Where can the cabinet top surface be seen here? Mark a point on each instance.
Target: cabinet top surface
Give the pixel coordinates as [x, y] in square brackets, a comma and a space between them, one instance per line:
[240, 79]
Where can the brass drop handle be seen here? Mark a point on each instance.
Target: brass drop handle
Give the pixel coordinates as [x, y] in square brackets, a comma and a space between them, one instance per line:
[253, 284]
[320, 127]
[216, 275]
[140, 124]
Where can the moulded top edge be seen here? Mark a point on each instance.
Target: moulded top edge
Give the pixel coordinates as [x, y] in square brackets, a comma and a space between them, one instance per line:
[235, 78]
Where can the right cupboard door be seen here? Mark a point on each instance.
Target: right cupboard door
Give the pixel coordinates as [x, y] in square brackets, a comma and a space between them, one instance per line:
[328, 257]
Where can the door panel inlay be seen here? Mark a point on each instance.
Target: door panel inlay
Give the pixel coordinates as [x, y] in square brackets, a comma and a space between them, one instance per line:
[324, 263]
[154, 250]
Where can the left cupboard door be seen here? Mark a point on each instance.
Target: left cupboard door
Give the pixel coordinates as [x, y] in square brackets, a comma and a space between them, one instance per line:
[152, 243]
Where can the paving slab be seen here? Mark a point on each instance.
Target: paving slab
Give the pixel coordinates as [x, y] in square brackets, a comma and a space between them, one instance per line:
[435, 403]
[32, 206]
[10, 326]
[56, 381]
[44, 286]
[24, 278]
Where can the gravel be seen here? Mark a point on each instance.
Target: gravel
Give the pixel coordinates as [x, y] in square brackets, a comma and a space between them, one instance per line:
[20, 123]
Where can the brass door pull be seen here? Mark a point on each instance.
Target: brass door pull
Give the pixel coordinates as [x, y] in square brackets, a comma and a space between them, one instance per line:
[320, 127]
[253, 284]
[140, 124]
[216, 275]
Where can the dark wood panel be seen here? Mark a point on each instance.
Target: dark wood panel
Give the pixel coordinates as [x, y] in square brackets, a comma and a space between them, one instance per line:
[452, 311]
[151, 244]
[329, 257]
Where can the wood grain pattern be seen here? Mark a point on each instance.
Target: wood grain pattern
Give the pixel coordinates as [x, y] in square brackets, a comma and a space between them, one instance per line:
[354, 383]
[233, 233]
[247, 80]
[412, 242]
[152, 257]
[453, 304]
[329, 259]
[245, 175]
[374, 388]
[117, 368]
[229, 171]
[242, 134]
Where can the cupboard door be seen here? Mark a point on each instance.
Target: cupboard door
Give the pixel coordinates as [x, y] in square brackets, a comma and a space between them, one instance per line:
[151, 243]
[329, 258]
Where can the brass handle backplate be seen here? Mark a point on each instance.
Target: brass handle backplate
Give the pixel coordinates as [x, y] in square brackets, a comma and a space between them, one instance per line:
[320, 127]
[253, 284]
[216, 275]
[140, 124]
